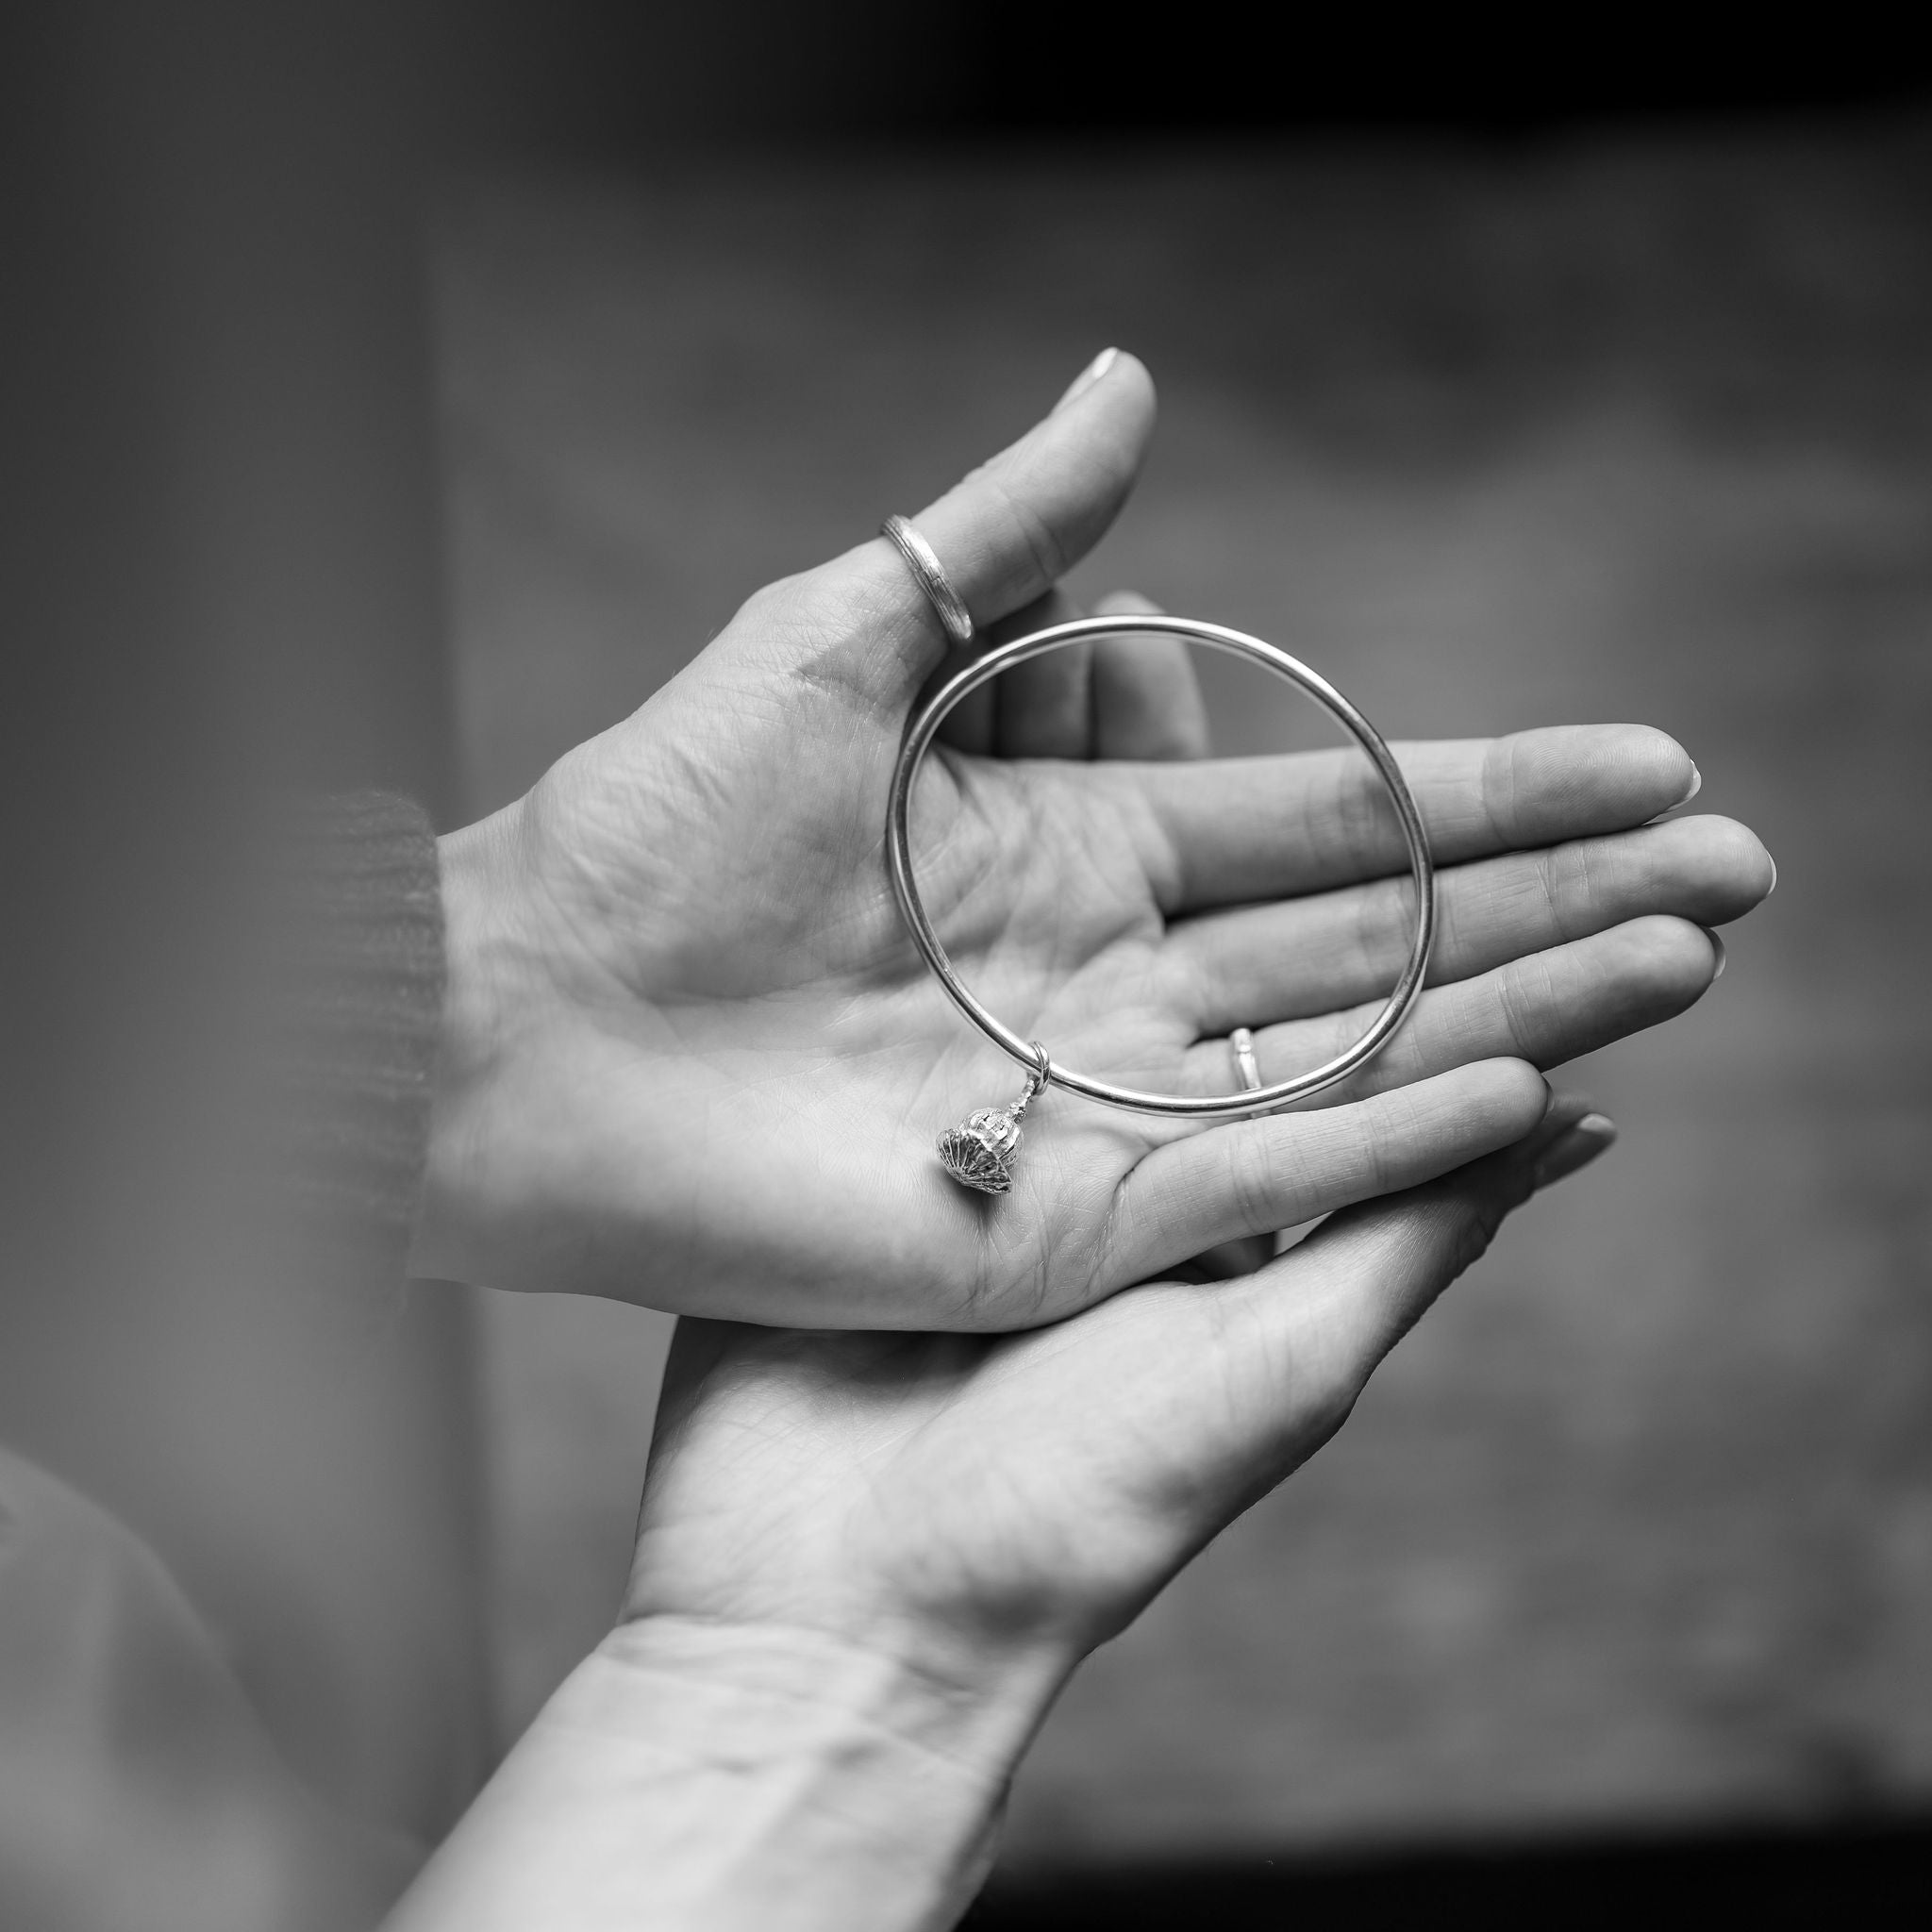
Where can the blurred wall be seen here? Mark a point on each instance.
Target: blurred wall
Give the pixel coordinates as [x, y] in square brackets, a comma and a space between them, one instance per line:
[219, 584]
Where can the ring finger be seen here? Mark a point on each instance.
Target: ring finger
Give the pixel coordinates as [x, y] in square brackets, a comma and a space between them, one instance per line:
[1545, 1008]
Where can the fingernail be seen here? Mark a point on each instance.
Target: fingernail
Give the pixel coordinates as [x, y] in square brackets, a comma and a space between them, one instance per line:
[1772, 887]
[1717, 946]
[1088, 377]
[1576, 1149]
[1696, 786]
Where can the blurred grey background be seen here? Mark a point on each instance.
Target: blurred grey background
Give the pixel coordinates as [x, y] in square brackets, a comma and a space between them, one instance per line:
[399, 392]
[1637, 1530]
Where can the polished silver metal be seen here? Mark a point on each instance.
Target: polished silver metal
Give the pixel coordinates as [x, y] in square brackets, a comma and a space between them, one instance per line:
[978, 1153]
[1245, 1065]
[919, 738]
[922, 562]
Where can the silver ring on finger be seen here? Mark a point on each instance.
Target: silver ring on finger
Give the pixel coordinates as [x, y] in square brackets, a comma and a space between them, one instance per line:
[922, 562]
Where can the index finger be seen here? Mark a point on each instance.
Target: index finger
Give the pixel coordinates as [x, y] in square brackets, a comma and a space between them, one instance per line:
[1227, 831]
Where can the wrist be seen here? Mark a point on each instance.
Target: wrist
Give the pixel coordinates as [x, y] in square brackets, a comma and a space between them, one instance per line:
[694, 1774]
[972, 1726]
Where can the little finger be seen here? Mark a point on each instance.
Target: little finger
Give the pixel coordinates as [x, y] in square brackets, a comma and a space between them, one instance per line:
[1256, 1177]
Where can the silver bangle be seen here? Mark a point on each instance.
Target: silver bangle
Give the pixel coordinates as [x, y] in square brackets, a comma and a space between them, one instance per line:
[1045, 1071]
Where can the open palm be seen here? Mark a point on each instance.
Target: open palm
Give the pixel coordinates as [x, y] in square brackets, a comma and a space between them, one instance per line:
[694, 1062]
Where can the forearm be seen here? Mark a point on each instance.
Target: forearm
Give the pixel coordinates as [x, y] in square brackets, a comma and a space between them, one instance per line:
[711, 1777]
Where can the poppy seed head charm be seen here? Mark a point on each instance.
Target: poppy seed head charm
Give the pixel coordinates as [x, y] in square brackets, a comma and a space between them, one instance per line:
[978, 1153]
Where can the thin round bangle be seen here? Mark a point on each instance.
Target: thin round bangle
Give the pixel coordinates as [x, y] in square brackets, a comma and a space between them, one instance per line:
[919, 737]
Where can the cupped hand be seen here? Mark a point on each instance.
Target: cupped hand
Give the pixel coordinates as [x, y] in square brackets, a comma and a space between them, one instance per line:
[866, 1565]
[982, 1510]
[691, 1060]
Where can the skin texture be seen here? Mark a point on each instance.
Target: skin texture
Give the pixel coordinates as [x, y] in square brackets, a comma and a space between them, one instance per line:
[691, 1059]
[866, 1565]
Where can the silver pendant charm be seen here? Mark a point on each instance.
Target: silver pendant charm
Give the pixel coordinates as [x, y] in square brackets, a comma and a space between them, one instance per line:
[979, 1151]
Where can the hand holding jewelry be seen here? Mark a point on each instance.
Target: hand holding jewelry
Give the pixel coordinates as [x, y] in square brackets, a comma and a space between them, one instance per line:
[690, 1057]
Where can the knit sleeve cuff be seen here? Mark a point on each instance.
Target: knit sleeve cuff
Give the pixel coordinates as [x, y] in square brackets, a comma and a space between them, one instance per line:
[359, 1036]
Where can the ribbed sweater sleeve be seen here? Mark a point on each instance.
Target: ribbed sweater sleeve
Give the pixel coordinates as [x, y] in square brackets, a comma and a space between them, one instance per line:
[363, 991]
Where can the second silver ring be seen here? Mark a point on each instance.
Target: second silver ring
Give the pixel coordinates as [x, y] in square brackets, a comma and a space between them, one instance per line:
[1245, 1065]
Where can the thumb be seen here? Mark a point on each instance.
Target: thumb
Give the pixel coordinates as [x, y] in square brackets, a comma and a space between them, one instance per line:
[1003, 535]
